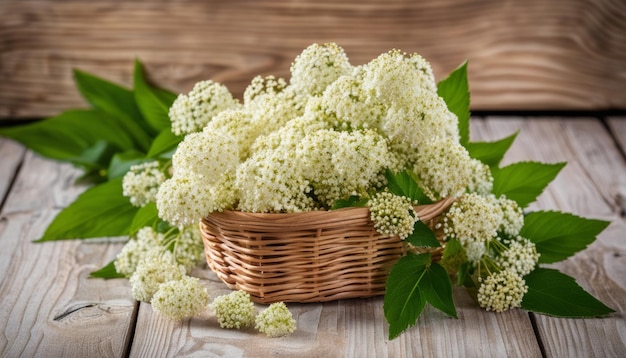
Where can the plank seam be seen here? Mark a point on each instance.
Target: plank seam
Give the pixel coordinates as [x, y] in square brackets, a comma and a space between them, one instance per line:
[533, 323]
[130, 336]
[12, 181]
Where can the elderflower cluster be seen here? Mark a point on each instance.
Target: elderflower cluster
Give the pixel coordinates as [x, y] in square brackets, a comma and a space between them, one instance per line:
[146, 243]
[191, 112]
[446, 169]
[179, 299]
[392, 214]
[141, 183]
[473, 218]
[521, 256]
[151, 273]
[317, 67]
[275, 321]
[502, 291]
[512, 217]
[234, 310]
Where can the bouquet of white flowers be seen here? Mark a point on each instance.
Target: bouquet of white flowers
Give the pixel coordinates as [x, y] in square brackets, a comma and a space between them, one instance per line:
[383, 138]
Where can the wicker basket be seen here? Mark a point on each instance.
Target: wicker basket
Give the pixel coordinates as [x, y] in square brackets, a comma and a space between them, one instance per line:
[313, 256]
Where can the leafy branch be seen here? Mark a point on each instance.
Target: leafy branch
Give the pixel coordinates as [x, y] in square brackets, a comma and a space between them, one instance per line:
[123, 127]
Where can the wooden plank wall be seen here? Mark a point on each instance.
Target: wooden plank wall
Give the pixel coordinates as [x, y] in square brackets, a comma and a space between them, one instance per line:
[524, 54]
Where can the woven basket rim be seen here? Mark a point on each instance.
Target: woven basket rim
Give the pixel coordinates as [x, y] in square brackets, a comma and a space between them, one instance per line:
[425, 212]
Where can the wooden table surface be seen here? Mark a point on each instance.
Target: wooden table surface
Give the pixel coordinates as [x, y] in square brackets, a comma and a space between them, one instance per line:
[50, 308]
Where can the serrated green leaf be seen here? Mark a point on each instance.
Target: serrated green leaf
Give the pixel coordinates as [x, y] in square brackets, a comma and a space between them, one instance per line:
[422, 236]
[436, 288]
[352, 201]
[153, 103]
[166, 141]
[491, 153]
[70, 134]
[403, 184]
[106, 272]
[121, 162]
[403, 302]
[455, 91]
[554, 293]
[146, 216]
[101, 211]
[558, 236]
[523, 182]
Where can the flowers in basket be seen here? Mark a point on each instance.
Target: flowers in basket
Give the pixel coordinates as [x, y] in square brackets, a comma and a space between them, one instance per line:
[384, 135]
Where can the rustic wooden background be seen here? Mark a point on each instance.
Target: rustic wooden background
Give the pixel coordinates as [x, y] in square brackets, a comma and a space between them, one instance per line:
[524, 55]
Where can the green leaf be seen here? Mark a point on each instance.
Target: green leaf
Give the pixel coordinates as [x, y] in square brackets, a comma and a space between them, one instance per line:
[491, 153]
[413, 281]
[153, 103]
[403, 302]
[95, 157]
[464, 277]
[453, 256]
[146, 216]
[352, 201]
[164, 142]
[436, 288]
[558, 236]
[107, 96]
[554, 293]
[107, 271]
[121, 162]
[422, 236]
[455, 91]
[68, 135]
[524, 181]
[403, 184]
[101, 211]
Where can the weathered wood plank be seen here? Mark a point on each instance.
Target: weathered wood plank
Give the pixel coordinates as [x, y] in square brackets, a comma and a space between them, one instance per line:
[12, 155]
[618, 129]
[590, 186]
[50, 307]
[348, 328]
[531, 54]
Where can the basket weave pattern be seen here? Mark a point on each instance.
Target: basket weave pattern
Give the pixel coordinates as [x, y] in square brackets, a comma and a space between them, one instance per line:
[314, 256]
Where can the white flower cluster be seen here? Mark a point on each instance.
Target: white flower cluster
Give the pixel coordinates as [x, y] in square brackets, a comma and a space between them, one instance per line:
[275, 321]
[473, 218]
[184, 245]
[502, 291]
[317, 67]
[513, 217]
[446, 169]
[147, 243]
[236, 310]
[179, 299]
[521, 256]
[157, 265]
[191, 112]
[152, 272]
[330, 133]
[392, 214]
[141, 183]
